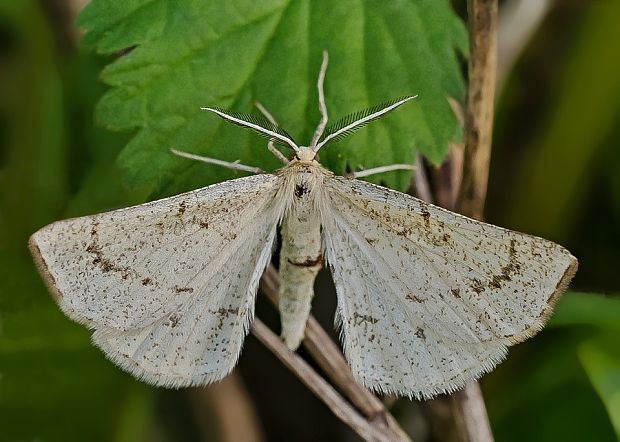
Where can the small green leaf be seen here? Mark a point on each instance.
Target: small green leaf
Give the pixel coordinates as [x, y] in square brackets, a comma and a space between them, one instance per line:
[602, 364]
[185, 54]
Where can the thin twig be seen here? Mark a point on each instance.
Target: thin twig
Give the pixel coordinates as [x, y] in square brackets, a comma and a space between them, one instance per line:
[468, 405]
[319, 386]
[234, 412]
[329, 357]
[447, 178]
[420, 184]
[470, 415]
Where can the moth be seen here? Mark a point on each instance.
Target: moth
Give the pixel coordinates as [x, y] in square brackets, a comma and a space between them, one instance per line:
[427, 299]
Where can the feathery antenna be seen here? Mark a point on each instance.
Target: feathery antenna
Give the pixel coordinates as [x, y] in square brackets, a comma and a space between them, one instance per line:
[354, 121]
[257, 124]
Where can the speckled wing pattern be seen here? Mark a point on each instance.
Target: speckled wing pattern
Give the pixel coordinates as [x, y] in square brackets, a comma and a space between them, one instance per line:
[429, 299]
[168, 287]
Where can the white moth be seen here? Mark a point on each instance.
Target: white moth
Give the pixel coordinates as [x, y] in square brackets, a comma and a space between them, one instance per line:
[427, 299]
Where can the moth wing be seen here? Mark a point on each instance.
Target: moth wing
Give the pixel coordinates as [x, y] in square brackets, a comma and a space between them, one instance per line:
[168, 286]
[429, 299]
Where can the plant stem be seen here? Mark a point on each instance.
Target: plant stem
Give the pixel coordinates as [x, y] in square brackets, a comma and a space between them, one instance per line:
[468, 406]
[319, 386]
[479, 109]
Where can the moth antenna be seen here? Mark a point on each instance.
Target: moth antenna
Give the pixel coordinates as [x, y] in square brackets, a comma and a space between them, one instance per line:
[260, 125]
[354, 121]
[322, 107]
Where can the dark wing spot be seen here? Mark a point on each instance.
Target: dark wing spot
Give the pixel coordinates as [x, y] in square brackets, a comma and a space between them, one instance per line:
[508, 270]
[476, 285]
[173, 320]
[182, 208]
[420, 333]
[426, 215]
[93, 229]
[178, 289]
[104, 263]
[360, 319]
[371, 241]
[414, 298]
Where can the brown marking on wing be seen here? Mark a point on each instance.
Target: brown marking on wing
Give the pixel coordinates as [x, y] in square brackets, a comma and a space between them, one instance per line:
[359, 319]
[223, 313]
[104, 263]
[180, 290]
[420, 333]
[426, 215]
[173, 320]
[371, 241]
[93, 229]
[508, 270]
[414, 298]
[476, 285]
[182, 208]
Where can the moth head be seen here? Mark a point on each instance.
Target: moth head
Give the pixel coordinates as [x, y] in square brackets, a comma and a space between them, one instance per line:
[266, 125]
[305, 154]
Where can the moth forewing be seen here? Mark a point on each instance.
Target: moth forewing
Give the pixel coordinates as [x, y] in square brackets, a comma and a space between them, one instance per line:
[429, 299]
[167, 286]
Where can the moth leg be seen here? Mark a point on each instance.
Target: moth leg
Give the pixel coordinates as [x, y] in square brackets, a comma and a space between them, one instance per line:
[229, 165]
[279, 155]
[381, 169]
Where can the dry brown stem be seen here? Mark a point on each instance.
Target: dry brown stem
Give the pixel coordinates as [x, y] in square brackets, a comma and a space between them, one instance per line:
[235, 415]
[319, 386]
[479, 108]
[468, 407]
[470, 415]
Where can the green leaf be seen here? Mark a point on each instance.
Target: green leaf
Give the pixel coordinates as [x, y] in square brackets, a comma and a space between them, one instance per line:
[41, 351]
[602, 364]
[191, 53]
[542, 385]
[587, 309]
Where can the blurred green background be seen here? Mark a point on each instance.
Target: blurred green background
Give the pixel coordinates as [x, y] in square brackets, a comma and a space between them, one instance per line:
[555, 172]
